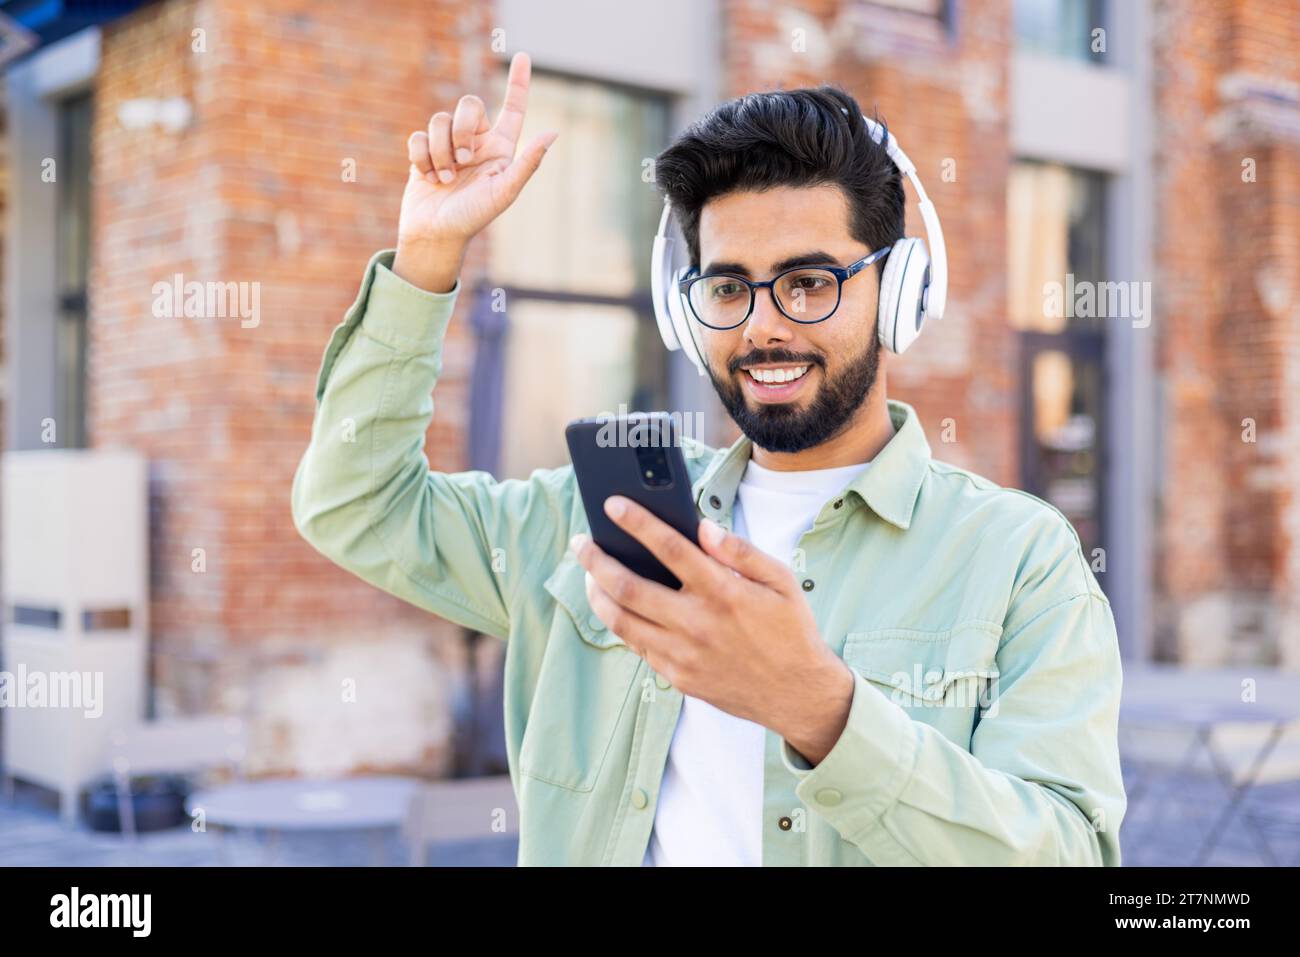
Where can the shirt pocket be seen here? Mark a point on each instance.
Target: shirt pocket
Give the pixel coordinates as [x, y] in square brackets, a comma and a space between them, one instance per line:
[947, 679]
[586, 680]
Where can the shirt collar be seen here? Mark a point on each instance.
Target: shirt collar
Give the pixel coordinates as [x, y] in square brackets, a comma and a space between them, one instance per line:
[889, 487]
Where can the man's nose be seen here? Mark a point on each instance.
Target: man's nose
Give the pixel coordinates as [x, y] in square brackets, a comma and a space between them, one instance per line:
[767, 325]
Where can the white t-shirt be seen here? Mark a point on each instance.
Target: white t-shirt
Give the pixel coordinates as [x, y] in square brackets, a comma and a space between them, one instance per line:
[711, 799]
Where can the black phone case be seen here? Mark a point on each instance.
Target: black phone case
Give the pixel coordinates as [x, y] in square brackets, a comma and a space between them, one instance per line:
[607, 469]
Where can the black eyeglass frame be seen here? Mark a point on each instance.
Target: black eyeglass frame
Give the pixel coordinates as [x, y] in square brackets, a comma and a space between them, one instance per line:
[842, 274]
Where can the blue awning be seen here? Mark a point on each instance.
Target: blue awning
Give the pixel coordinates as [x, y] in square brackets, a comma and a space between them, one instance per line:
[52, 20]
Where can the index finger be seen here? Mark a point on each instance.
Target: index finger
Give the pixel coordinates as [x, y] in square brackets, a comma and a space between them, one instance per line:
[511, 118]
[679, 554]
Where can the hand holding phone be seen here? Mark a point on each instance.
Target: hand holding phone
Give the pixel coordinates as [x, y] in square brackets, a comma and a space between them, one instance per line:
[638, 456]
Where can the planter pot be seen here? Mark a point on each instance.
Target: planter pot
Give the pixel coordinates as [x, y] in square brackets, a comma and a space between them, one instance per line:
[158, 804]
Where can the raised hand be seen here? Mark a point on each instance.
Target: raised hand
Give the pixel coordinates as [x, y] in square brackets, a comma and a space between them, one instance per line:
[463, 174]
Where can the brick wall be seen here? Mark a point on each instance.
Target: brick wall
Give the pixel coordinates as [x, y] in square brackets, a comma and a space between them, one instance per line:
[284, 94]
[1226, 255]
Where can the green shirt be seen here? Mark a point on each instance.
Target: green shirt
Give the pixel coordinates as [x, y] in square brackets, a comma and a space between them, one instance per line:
[983, 724]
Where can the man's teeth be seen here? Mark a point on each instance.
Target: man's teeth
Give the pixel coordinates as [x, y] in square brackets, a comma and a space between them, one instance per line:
[776, 376]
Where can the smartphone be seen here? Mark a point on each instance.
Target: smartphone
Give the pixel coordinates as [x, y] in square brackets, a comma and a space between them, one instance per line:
[638, 456]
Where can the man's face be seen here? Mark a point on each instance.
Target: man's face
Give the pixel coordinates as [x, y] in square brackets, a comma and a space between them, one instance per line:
[756, 235]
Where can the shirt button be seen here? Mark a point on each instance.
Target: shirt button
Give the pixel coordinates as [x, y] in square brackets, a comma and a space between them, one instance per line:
[839, 502]
[639, 799]
[715, 501]
[829, 796]
[662, 683]
[807, 584]
[595, 623]
[785, 824]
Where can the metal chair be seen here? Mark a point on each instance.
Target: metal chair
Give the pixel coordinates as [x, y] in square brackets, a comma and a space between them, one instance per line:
[1233, 747]
[174, 746]
[459, 809]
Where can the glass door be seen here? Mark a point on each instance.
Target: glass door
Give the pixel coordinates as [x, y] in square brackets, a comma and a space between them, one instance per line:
[1056, 233]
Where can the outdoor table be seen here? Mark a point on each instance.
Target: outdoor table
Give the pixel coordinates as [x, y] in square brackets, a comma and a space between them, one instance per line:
[307, 804]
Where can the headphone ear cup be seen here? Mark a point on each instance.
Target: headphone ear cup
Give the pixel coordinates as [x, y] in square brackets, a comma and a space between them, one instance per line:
[900, 314]
[682, 323]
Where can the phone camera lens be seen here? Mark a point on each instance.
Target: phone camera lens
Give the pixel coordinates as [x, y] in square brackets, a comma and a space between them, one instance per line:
[654, 467]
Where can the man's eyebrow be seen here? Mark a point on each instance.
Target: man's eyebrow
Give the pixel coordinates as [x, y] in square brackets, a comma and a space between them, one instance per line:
[816, 257]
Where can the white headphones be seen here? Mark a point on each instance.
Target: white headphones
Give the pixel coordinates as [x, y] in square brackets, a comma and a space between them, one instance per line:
[912, 288]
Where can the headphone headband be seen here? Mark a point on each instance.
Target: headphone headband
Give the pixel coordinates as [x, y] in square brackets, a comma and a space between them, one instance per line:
[936, 293]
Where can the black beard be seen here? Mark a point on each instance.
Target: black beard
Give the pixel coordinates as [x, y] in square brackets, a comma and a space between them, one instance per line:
[784, 427]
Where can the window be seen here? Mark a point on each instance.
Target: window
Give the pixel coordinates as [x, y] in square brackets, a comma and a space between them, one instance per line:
[72, 265]
[1055, 247]
[1062, 28]
[573, 258]
[1055, 215]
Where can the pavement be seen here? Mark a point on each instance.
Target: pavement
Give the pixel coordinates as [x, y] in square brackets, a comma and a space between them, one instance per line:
[1163, 828]
[32, 835]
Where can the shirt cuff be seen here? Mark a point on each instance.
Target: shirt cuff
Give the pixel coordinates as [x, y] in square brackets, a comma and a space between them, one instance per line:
[867, 768]
[401, 315]
[397, 314]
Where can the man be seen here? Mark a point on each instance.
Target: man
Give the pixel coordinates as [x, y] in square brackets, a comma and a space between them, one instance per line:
[875, 658]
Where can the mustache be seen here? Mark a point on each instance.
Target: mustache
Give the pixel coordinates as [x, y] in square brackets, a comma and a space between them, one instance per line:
[765, 356]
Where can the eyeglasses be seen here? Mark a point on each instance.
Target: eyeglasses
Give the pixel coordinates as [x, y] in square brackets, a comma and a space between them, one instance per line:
[804, 294]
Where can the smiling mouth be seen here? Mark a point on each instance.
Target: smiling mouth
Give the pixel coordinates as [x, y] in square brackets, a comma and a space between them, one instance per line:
[777, 376]
[775, 383]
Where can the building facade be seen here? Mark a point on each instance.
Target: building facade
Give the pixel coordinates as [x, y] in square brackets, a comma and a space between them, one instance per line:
[1118, 184]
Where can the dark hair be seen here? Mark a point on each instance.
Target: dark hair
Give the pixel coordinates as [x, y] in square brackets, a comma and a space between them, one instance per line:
[804, 137]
